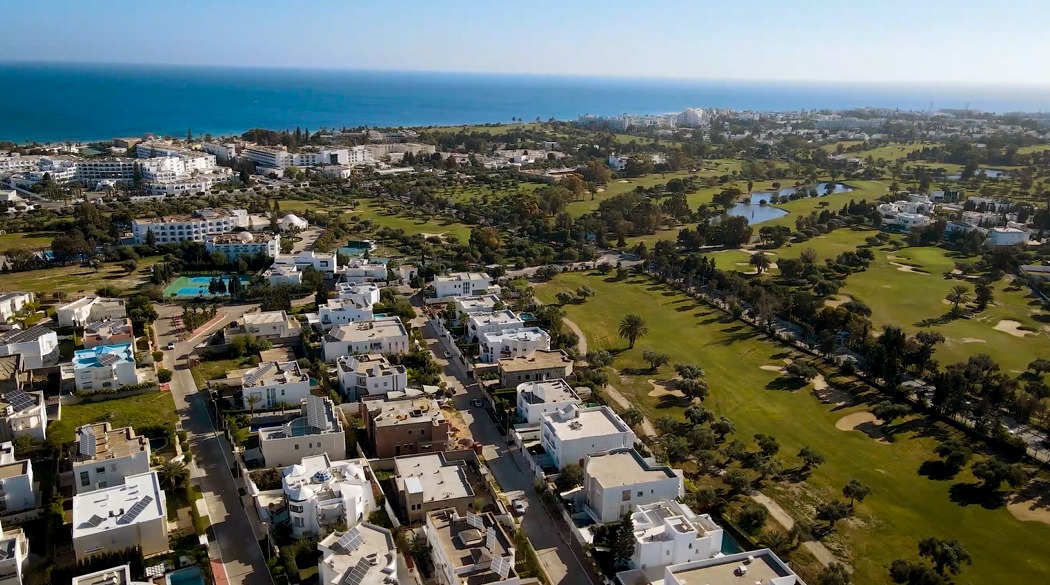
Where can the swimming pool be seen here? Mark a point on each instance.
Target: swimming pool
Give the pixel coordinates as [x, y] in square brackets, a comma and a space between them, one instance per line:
[187, 576]
[526, 316]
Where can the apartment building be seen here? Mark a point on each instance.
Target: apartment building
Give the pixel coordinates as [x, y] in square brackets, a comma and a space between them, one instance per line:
[537, 366]
[88, 309]
[270, 325]
[103, 366]
[283, 275]
[37, 345]
[405, 425]
[364, 555]
[17, 491]
[104, 456]
[616, 480]
[369, 375]
[571, 434]
[669, 533]
[321, 493]
[318, 431]
[476, 305]
[180, 228]
[462, 284]
[512, 343]
[235, 245]
[272, 383]
[109, 331]
[386, 335]
[112, 519]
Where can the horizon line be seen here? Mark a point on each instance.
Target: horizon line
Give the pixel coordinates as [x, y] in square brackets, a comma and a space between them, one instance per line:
[582, 76]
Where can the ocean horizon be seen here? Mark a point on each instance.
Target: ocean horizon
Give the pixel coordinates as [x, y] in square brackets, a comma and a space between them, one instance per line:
[52, 102]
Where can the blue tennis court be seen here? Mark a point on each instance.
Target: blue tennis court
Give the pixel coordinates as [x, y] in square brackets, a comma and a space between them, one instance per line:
[191, 287]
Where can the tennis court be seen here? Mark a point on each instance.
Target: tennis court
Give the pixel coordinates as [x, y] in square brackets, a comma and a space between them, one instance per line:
[192, 287]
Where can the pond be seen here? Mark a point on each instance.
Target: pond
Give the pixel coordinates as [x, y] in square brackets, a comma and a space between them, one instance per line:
[756, 213]
[990, 173]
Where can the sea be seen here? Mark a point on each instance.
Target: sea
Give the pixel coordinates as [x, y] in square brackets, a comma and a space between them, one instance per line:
[62, 102]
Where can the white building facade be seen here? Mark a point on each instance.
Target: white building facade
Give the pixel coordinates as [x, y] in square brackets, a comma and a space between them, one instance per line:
[572, 433]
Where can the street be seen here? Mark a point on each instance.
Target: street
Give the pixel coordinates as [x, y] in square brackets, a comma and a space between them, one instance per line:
[556, 554]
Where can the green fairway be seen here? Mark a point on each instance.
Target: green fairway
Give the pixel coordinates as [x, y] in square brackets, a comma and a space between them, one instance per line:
[407, 219]
[890, 152]
[152, 409]
[904, 506]
[27, 240]
[915, 302]
[76, 279]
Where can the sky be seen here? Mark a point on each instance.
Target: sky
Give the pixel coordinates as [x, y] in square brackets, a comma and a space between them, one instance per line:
[896, 41]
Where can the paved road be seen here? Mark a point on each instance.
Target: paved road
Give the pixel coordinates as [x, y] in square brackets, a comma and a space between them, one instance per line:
[237, 546]
[556, 554]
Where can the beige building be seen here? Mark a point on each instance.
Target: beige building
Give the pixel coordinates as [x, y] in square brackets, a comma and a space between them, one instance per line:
[405, 425]
[433, 481]
[317, 432]
[270, 324]
[109, 331]
[539, 365]
[469, 548]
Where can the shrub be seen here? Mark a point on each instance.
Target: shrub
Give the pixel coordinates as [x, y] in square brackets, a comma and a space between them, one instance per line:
[164, 375]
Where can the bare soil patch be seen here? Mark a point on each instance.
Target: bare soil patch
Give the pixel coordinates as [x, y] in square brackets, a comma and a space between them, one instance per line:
[838, 300]
[664, 388]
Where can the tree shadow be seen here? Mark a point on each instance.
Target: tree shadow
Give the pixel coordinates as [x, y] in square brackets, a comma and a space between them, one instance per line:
[1035, 494]
[937, 470]
[636, 371]
[969, 494]
[670, 401]
[942, 320]
[686, 308]
[786, 384]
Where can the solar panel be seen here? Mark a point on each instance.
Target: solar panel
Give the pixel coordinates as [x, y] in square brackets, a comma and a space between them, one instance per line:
[475, 521]
[350, 540]
[490, 540]
[357, 574]
[95, 520]
[20, 400]
[257, 373]
[501, 566]
[316, 416]
[88, 442]
[108, 359]
[135, 510]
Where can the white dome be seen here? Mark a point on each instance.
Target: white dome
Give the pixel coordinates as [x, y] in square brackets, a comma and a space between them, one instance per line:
[245, 237]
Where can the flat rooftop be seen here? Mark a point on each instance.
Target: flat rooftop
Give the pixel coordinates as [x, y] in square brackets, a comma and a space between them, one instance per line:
[108, 328]
[462, 276]
[301, 427]
[477, 304]
[139, 500]
[390, 413]
[548, 391]
[366, 330]
[437, 478]
[521, 334]
[576, 423]
[371, 365]
[727, 570]
[265, 317]
[110, 443]
[274, 374]
[504, 317]
[114, 576]
[624, 467]
[464, 545]
[103, 356]
[539, 360]
[374, 542]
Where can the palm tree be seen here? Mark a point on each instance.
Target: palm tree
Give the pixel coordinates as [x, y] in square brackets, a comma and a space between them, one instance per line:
[984, 294]
[174, 474]
[760, 261]
[958, 295]
[253, 400]
[632, 327]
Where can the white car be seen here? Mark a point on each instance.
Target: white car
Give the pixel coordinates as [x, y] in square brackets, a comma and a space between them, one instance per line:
[448, 354]
[171, 345]
[519, 507]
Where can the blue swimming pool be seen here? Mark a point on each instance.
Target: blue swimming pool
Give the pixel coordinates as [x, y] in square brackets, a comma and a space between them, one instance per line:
[187, 576]
[526, 316]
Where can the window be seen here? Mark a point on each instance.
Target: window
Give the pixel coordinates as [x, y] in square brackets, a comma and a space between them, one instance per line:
[100, 469]
[84, 479]
[297, 446]
[626, 496]
[640, 494]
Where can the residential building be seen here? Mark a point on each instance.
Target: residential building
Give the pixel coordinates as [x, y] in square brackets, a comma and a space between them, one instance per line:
[108, 331]
[369, 375]
[547, 396]
[462, 284]
[384, 335]
[292, 221]
[279, 275]
[895, 215]
[90, 308]
[321, 493]
[17, 492]
[432, 481]
[618, 162]
[104, 366]
[15, 546]
[38, 346]
[404, 425]
[463, 551]
[693, 118]
[669, 533]
[119, 517]
[273, 383]
[513, 343]
[1007, 236]
[22, 412]
[327, 264]
[341, 311]
[539, 365]
[273, 158]
[13, 302]
[475, 305]
[270, 325]
[222, 152]
[574, 432]
[104, 456]
[362, 270]
[318, 431]
[112, 576]
[179, 228]
[494, 322]
[364, 555]
[237, 244]
[1035, 272]
[360, 293]
[616, 480]
[759, 566]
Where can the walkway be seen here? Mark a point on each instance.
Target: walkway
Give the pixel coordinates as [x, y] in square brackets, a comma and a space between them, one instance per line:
[779, 514]
[647, 427]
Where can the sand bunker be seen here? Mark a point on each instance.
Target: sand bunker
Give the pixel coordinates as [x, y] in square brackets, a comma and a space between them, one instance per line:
[664, 388]
[972, 340]
[864, 422]
[904, 267]
[838, 300]
[1030, 504]
[819, 383]
[440, 236]
[777, 369]
[1013, 328]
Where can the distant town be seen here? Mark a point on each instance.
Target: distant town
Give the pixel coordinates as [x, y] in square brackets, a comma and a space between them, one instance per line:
[698, 348]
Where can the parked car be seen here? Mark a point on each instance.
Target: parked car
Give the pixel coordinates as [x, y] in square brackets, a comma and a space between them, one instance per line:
[476, 402]
[519, 507]
[448, 354]
[171, 345]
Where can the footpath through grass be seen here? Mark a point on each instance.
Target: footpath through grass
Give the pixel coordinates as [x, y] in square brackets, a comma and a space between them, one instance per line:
[904, 506]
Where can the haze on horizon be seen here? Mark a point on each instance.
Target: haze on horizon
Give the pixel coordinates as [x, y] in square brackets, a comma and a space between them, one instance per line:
[882, 41]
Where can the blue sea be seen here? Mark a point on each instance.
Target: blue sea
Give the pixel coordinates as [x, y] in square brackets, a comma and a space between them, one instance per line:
[55, 102]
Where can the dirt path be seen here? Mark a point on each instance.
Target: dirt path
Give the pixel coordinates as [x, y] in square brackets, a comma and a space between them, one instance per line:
[780, 515]
[582, 345]
[614, 394]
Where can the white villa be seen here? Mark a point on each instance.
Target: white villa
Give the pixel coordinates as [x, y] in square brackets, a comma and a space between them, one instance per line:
[270, 324]
[104, 366]
[13, 302]
[16, 545]
[616, 480]
[321, 492]
[494, 322]
[571, 434]
[318, 431]
[758, 566]
[17, 491]
[386, 335]
[88, 309]
[669, 533]
[342, 311]
[364, 554]
[273, 383]
[38, 346]
[543, 397]
[124, 516]
[362, 270]
[512, 343]
[369, 375]
[283, 274]
[104, 456]
[462, 284]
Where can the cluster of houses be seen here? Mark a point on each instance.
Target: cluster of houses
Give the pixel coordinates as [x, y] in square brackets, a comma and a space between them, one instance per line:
[994, 219]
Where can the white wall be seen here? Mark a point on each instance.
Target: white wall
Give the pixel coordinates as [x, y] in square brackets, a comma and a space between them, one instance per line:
[87, 475]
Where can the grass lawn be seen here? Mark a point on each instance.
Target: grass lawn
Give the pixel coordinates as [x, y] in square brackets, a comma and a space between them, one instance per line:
[869, 190]
[890, 152]
[915, 302]
[904, 506]
[370, 209]
[141, 411]
[76, 279]
[27, 240]
[216, 369]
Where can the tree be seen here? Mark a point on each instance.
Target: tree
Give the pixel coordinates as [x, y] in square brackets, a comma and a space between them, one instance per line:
[585, 292]
[655, 359]
[946, 555]
[810, 458]
[855, 491]
[954, 453]
[958, 295]
[800, 371]
[913, 573]
[984, 295]
[760, 261]
[768, 445]
[888, 411]
[834, 574]
[737, 480]
[727, 197]
[776, 541]
[632, 327]
[752, 516]
[599, 358]
[623, 542]
[723, 427]
[993, 472]
[692, 388]
[1039, 366]
[569, 477]
[832, 512]
[565, 297]
[253, 400]
[151, 238]
[164, 375]
[174, 474]
[689, 371]
[632, 416]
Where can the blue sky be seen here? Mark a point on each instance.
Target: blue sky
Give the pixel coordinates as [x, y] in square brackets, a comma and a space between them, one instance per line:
[961, 41]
